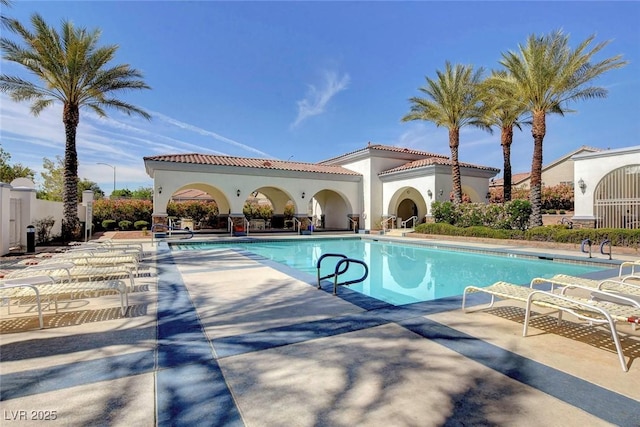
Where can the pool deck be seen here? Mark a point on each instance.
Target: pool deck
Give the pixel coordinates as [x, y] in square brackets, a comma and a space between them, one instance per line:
[221, 339]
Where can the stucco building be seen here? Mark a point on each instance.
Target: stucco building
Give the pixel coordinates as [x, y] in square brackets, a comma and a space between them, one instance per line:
[372, 187]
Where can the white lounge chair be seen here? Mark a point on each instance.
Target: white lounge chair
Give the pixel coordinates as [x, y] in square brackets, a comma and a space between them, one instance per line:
[620, 292]
[9, 290]
[598, 312]
[47, 286]
[633, 274]
[96, 260]
[68, 271]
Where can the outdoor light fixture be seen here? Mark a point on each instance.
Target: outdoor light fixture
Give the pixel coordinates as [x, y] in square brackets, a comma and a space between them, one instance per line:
[238, 192]
[488, 195]
[303, 194]
[160, 190]
[582, 185]
[429, 193]
[441, 191]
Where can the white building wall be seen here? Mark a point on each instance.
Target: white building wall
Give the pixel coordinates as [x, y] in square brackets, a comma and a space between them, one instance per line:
[228, 184]
[46, 208]
[5, 198]
[591, 168]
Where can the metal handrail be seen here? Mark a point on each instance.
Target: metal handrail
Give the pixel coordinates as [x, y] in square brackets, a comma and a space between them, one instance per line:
[384, 221]
[413, 218]
[154, 227]
[332, 274]
[338, 271]
[246, 226]
[353, 222]
[230, 225]
[296, 222]
[349, 282]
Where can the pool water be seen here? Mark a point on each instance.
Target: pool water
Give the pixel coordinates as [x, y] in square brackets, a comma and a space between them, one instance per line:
[403, 274]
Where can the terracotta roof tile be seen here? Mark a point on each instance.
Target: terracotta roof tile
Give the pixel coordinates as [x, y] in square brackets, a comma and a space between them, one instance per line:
[216, 160]
[515, 179]
[433, 161]
[390, 148]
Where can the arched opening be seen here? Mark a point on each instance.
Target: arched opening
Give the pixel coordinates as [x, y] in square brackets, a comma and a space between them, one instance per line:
[329, 210]
[405, 204]
[617, 199]
[269, 208]
[197, 206]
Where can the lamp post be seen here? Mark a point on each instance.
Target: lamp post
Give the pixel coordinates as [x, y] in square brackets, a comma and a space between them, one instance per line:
[114, 174]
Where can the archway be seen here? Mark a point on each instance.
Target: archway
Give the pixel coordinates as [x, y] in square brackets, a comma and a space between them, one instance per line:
[406, 203]
[617, 199]
[198, 206]
[329, 210]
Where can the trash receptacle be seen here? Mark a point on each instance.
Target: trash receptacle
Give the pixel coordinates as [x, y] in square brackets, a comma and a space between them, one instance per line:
[31, 239]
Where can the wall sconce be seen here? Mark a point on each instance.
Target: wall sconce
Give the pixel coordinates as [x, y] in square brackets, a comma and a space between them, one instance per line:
[582, 185]
[488, 195]
[430, 194]
[441, 191]
[160, 190]
[303, 194]
[238, 192]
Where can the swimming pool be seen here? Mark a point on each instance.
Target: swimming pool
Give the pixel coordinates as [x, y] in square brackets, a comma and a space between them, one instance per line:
[402, 273]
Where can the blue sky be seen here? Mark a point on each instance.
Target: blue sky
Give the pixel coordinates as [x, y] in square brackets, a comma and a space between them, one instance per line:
[308, 81]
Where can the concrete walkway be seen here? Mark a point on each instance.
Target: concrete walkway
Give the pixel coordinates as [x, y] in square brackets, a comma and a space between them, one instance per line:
[217, 338]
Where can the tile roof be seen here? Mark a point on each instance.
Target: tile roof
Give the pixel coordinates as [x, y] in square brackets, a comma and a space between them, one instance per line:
[516, 178]
[216, 160]
[431, 162]
[389, 148]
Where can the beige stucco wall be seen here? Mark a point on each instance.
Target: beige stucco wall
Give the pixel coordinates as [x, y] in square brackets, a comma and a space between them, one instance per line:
[224, 186]
[592, 168]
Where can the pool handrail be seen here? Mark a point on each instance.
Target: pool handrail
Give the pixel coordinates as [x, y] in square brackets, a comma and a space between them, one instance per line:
[338, 271]
[349, 282]
[319, 263]
[188, 232]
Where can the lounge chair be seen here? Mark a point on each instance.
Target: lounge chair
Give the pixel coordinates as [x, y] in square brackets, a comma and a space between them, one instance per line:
[95, 259]
[616, 290]
[633, 274]
[9, 290]
[69, 271]
[599, 312]
[22, 287]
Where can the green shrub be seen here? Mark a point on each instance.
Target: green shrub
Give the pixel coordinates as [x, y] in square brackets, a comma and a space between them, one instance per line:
[141, 225]
[445, 212]
[553, 233]
[125, 225]
[43, 229]
[108, 224]
[519, 212]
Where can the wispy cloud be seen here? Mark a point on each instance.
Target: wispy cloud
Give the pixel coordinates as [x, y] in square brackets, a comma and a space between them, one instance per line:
[317, 98]
[204, 132]
[118, 139]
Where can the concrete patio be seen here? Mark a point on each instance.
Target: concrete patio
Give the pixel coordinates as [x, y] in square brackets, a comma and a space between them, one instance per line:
[218, 338]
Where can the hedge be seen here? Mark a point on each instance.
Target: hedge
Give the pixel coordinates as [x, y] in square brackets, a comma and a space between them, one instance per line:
[554, 233]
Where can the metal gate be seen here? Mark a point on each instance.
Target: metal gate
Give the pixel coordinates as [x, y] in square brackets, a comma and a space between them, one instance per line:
[15, 210]
[617, 199]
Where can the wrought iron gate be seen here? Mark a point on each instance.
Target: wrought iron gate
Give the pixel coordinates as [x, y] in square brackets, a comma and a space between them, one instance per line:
[617, 199]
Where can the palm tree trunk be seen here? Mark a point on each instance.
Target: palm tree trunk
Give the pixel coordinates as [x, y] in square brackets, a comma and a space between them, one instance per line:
[70, 222]
[538, 131]
[454, 143]
[506, 138]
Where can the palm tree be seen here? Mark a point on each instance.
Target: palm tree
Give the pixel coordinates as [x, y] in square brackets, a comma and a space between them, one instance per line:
[453, 102]
[503, 110]
[74, 71]
[547, 74]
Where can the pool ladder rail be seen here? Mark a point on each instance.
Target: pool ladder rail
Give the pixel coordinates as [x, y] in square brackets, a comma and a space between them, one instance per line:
[341, 267]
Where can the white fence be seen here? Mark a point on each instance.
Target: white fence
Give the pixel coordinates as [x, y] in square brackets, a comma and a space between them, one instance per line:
[19, 208]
